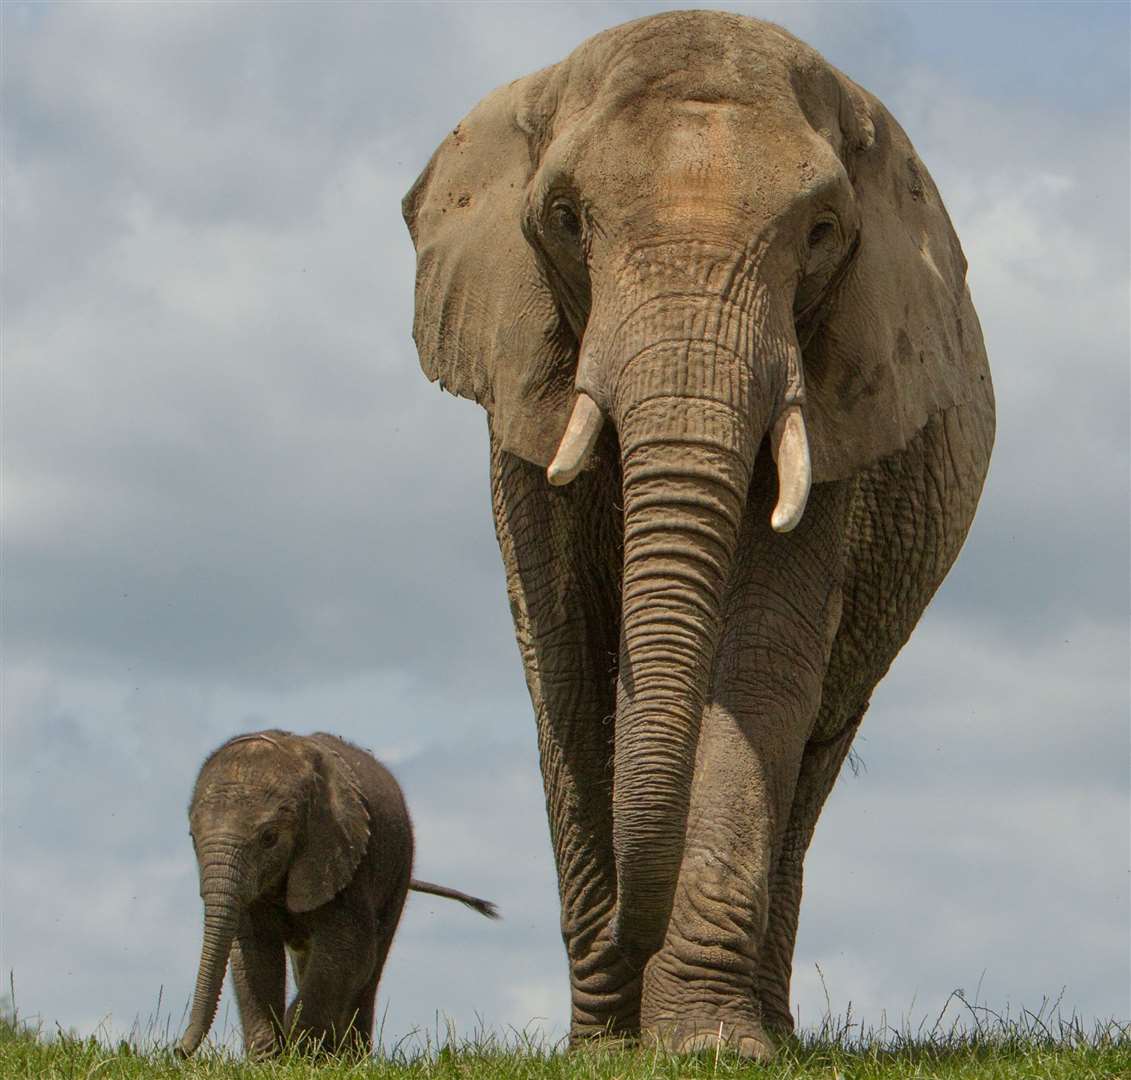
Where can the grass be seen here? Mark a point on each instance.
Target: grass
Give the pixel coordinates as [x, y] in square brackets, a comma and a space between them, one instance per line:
[974, 1043]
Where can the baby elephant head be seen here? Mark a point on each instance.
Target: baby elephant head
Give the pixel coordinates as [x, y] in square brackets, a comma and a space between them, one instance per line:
[272, 815]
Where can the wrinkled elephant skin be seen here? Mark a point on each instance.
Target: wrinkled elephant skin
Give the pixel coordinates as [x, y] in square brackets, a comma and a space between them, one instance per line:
[740, 417]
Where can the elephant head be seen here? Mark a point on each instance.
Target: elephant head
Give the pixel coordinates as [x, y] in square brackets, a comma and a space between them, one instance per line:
[697, 231]
[272, 815]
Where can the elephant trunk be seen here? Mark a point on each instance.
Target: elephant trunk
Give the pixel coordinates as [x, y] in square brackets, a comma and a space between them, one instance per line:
[689, 431]
[219, 877]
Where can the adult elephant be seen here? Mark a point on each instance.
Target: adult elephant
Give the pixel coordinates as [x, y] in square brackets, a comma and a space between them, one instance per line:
[702, 279]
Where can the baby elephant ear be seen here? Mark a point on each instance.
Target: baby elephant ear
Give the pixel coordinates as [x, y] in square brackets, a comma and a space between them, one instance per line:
[899, 341]
[335, 836]
[487, 325]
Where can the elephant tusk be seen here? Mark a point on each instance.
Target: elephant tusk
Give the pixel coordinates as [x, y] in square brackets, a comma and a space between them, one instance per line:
[580, 434]
[790, 445]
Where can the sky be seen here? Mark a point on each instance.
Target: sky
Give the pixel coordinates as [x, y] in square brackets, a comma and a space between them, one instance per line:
[232, 501]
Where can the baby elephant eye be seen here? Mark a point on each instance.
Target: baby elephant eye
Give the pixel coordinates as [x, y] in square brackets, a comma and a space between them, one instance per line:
[268, 838]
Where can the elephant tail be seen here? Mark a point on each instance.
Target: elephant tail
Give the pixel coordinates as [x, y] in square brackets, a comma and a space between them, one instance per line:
[484, 907]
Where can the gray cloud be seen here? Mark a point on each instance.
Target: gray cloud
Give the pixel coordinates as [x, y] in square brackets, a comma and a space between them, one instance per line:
[231, 501]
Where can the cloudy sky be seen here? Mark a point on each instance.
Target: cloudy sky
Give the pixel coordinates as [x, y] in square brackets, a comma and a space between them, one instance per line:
[232, 501]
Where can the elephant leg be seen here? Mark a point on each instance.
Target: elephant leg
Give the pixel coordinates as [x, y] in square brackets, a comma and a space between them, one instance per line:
[561, 549]
[820, 767]
[360, 1034]
[780, 620]
[906, 520]
[260, 976]
[700, 986]
[341, 959]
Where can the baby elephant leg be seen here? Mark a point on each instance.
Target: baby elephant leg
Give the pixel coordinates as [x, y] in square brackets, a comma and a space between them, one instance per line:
[340, 964]
[259, 975]
[359, 1037]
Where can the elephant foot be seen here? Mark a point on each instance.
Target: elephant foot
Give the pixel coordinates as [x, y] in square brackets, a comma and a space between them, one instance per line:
[605, 1008]
[262, 1043]
[746, 1037]
[779, 1023]
[601, 1041]
[614, 1033]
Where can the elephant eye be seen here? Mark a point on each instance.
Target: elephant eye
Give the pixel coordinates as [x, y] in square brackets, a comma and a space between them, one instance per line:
[565, 220]
[268, 838]
[820, 232]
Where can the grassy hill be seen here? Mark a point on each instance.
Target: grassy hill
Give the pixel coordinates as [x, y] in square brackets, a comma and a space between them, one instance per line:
[1033, 1048]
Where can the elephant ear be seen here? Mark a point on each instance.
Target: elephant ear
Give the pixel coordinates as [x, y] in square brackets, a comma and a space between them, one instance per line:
[899, 340]
[487, 326]
[336, 832]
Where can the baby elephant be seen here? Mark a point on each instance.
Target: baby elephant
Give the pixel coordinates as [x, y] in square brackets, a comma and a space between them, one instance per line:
[302, 842]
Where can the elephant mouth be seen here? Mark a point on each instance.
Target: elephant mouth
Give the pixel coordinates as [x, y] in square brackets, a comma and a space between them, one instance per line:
[789, 444]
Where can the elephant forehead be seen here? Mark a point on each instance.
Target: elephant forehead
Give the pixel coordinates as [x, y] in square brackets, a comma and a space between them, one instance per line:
[752, 147]
[754, 150]
[698, 162]
[692, 55]
[246, 781]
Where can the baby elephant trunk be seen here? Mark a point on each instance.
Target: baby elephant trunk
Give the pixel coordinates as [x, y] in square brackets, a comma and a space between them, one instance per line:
[221, 916]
